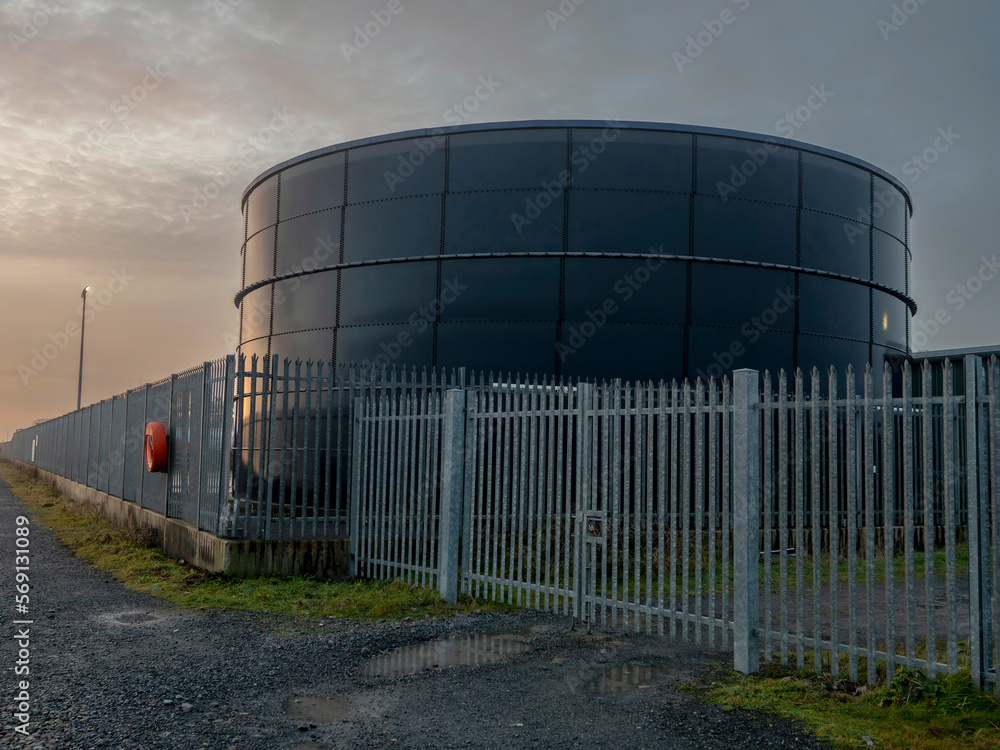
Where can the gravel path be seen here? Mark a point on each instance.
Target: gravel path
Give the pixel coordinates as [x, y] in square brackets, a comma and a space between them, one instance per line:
[116, 669]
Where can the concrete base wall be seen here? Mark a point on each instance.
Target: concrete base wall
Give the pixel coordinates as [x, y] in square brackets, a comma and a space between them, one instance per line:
[322, 558]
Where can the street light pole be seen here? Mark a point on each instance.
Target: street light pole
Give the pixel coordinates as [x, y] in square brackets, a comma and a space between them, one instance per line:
[83, 324]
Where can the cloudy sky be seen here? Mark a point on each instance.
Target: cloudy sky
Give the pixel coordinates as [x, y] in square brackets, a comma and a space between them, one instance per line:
[129, 129]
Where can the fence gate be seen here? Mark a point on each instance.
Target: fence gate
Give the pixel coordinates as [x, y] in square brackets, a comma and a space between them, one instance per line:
[396, 493]
[795, 524]
[522, 494]
[610, 504]
[657, 522]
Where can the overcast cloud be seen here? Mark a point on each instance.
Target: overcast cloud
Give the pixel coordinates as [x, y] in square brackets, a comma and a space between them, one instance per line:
[128, 131]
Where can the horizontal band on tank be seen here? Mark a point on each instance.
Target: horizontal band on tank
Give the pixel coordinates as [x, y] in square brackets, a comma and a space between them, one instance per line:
[271, 338]
[341, 206]
[618, 256]
[612, 323]
[584, 124]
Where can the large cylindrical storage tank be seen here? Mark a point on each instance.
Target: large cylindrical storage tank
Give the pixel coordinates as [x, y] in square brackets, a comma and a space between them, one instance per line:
[585, 249]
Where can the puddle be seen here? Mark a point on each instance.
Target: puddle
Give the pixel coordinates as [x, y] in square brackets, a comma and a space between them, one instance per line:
[484, 648]
[623, 679]
[134, 618]
[316, 710]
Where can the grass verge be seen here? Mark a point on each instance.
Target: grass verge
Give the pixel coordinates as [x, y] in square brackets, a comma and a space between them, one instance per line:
[133, 557]
[911, 712]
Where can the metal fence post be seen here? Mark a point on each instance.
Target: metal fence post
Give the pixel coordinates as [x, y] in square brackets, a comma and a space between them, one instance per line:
[582, 574]
[224, 468]
[976, 503]
[142, 451]
[111, 448]
[991, 417]
[452, 493]
[746, 514]
[121, 489]
[203, 431]
[354, 499]
[170, 446]
[269, 396]
[469, 507]
[86, 460]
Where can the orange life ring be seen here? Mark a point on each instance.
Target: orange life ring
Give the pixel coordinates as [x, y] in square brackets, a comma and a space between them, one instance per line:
[156, 447]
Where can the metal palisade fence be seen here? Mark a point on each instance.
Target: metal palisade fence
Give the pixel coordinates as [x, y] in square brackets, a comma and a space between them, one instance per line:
[294, 438]
[845, 522]
[847, 527]
[102, 445]
[879, 521]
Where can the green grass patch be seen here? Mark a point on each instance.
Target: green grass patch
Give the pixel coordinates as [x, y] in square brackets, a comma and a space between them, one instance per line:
[861, 572]
[911, 712]
[134, 558]
[622, 576]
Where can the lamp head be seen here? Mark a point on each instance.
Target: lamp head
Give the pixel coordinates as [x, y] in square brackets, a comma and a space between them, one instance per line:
[85, 290]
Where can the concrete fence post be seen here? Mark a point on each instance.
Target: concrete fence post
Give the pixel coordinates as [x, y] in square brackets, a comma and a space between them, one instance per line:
[452, 493]
[746, 517]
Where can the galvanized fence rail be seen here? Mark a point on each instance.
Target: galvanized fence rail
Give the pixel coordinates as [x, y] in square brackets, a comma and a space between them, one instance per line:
[102, 445]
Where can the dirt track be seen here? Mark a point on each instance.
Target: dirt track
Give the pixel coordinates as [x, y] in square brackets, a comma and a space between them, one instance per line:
[116, 669]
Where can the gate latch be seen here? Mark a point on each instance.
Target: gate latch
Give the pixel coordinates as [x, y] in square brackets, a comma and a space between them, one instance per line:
[594, 525]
